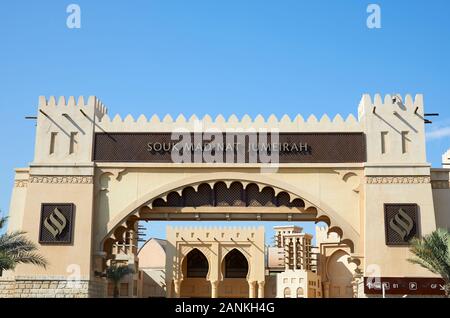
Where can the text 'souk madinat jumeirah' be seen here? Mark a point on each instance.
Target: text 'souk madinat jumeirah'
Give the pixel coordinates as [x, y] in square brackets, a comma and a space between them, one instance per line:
[95, 178]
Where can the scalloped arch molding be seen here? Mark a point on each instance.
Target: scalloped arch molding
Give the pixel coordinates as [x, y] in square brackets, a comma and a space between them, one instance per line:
[337, 223]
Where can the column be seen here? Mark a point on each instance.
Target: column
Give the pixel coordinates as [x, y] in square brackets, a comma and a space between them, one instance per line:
[215, 289]
[169, 290]
[214, 267]
[177, 288]
[326, 289]
[252, 289]
[130, 286]
[261, 289]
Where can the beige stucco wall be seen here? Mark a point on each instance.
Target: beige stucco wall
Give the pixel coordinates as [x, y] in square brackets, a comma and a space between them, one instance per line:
[394, 119]
[386, 256]
[275, 257]
[153, 283]
[18, 199]
[351, 196]
[339, 274]
[441, 194]
[60, 257]
[337, 271]
[152, 264]
[152, 255]
[309, 283]
[441, 198]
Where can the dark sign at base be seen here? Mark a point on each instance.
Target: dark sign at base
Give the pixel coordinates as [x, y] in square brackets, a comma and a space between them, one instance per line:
[404, 286]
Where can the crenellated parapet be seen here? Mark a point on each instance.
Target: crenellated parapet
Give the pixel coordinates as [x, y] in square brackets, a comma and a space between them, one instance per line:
[91, 103]
[394, 128]
[285, 123]
[391, 103]
[212, 233]
[65, 130]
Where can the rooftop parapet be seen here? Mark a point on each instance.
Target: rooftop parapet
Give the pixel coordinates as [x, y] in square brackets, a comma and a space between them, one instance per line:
[395, 129]
[92, 101]
[390, 103]
[65, 130]
[368, 105]
[285, 123]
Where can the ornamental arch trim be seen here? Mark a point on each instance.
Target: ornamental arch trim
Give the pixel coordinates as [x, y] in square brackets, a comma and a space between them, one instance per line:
[271, 194]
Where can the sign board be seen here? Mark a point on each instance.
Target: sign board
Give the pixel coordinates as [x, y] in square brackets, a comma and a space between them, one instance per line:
[230, 148]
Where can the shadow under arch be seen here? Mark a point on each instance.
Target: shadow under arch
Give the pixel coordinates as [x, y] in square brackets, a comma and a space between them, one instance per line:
[195, 249]
[235, 271]
[195, 265]
[323, 210]
[235, 265]
[195, 268]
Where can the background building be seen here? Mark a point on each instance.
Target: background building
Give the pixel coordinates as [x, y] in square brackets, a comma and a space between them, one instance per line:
[294, 268]
[295, 265]
[215, 262]
[152, 269]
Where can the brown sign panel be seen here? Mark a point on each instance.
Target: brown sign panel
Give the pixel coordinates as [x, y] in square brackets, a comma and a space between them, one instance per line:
[291, 147]
[57, 222]
[401, 223]
[404, 286]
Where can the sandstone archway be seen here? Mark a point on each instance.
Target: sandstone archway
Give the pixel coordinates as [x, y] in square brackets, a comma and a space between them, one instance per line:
[340, 272]
[231, 196]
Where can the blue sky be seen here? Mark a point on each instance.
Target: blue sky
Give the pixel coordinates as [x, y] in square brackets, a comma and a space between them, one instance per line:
[204, 56]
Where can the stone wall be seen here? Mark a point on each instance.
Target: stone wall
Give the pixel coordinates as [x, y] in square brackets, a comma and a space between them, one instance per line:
[7, 288]
[98, 288]
[51, 288]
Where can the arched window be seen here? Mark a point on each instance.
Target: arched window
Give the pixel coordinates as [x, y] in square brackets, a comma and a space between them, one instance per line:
[287, 292]
[299, 292]
[197, 264]
[236, 265]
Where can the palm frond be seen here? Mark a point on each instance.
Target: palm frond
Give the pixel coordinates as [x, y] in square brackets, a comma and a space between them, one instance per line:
[3, 222]
[16, 248]
[29, 258]
[432, 252]
[6, 263]
[16, 241]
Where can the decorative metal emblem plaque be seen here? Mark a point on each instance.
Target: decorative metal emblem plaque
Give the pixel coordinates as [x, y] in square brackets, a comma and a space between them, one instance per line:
[57, 222]
[401, 223]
